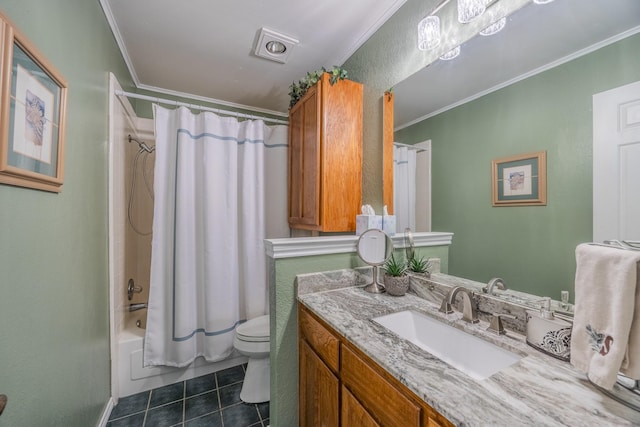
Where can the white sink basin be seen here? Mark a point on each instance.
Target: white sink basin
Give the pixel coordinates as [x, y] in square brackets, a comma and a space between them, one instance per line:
[475, 357]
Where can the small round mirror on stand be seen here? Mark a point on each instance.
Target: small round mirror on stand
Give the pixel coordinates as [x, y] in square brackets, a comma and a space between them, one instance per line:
[375, 248]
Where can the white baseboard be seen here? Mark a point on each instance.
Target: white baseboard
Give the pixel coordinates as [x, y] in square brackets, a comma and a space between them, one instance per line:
[107, 413]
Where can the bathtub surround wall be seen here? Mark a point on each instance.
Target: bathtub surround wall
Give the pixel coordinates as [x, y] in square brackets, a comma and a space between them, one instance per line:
[127, 249]
[53, 247]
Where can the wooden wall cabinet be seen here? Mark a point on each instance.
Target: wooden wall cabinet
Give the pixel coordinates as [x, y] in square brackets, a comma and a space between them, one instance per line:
[340, 386]
[325, 157]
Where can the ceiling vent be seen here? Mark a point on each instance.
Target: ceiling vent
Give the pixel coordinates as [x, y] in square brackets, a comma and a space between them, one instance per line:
[274, 46]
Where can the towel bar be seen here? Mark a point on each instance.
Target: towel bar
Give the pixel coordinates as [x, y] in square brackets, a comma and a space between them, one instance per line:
[626, 391]
[629, 245]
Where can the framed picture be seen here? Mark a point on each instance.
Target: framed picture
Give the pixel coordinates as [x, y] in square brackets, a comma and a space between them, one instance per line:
[520, 180]
[33, 98]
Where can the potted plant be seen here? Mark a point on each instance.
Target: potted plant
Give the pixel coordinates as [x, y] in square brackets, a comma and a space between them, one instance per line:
[396, 280]
[297, 90]
[420, 266]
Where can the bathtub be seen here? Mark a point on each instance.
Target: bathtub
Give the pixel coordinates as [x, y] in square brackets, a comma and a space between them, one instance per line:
[134, 378]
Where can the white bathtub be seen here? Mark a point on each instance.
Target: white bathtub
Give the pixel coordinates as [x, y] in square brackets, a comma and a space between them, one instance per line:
[133, 377]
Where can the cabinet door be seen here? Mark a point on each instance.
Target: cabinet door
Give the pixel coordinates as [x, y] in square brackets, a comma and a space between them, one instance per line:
[353, 413]
[311, 158]
[296, 120]
[319, 391]
[304, 162]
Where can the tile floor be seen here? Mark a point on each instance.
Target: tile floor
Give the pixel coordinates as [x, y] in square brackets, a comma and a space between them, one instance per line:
[211, 400]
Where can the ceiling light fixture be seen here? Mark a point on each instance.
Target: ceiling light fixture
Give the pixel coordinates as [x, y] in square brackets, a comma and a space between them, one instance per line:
[494, 28]
[468, 10]
[429, 33]
[451, 54]
[542, 1]
[429, 29]
[274, 46]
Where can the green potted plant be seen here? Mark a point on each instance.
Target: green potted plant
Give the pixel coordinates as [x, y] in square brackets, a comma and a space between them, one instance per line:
[396, 280]
[297, 90]
[420, 266]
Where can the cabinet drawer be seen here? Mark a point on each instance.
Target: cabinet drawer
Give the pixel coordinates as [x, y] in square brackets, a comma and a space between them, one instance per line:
[325, 344]
[381, 399]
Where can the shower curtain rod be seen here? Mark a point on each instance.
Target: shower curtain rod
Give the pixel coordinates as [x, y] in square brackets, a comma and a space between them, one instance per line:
[410, 147]
[198, 107]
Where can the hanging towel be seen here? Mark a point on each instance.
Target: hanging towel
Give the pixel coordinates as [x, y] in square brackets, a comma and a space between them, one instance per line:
[605, 296]
[631, 363]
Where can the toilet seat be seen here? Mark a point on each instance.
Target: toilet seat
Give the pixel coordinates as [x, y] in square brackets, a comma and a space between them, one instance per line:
[254, 330]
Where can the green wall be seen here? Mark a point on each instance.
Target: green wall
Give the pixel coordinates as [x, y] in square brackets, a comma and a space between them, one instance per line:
[284, 322]
[390, 56]
[532, 248]
[54, 307]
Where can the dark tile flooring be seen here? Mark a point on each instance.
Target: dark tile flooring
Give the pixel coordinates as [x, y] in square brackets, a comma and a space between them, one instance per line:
[211, 400]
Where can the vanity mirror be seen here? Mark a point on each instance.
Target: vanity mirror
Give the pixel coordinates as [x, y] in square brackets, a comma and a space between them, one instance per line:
[375, 248]
[527, 88]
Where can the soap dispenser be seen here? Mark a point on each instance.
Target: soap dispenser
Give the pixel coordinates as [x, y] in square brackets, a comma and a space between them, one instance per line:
[547, 333]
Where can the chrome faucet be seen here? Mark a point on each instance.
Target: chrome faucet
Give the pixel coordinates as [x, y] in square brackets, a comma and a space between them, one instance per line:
[495, 282]
[469, 313]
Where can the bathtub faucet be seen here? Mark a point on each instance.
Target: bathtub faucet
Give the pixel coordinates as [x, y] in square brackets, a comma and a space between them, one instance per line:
[136, 307]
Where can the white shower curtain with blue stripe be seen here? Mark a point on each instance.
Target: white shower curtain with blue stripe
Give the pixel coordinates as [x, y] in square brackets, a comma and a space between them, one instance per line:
[404, 187]
[208, 265]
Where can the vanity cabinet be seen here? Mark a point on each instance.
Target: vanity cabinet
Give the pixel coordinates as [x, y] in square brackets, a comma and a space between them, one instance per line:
[325, 157]
[341, 386]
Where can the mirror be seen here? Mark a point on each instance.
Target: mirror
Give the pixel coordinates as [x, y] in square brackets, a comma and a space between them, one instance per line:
[525, 89]
[375, 247]
[535, 37]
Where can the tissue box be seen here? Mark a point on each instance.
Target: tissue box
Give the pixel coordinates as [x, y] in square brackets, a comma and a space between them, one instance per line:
[389, 224]
[365, 222]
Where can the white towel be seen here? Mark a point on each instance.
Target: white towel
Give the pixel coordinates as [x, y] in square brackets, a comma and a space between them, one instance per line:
[606, 304]
[631, 362]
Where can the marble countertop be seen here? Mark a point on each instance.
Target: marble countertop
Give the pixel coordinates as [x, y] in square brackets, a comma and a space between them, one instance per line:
[538, 390]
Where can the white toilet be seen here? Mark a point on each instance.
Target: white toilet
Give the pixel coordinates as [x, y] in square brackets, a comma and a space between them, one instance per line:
[252, 340]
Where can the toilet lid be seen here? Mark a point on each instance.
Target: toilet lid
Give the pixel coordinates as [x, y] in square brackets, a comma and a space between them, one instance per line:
[256, 329]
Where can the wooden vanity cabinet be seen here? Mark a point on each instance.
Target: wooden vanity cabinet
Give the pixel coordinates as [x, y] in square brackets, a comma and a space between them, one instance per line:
[319, 385]
[341, 386]
[325, 157]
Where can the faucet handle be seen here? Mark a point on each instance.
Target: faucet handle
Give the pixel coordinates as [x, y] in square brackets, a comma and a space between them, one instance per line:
[445, 307]
[495, 324]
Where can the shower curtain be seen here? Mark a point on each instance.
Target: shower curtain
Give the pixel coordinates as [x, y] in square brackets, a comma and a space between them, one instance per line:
[404, 187]
[213, 189]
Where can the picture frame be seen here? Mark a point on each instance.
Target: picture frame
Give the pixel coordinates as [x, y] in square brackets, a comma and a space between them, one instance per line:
[520, 180]
[33, 98]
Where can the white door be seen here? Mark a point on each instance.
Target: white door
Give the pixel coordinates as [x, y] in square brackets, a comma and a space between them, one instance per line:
[616, 164]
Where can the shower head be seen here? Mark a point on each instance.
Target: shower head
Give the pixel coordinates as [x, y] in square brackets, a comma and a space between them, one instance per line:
[142, 145]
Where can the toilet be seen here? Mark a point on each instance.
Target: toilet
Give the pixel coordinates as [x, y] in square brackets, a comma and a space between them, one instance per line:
[252, 340]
